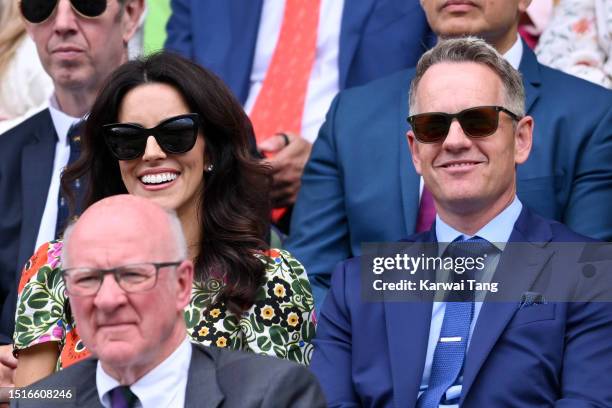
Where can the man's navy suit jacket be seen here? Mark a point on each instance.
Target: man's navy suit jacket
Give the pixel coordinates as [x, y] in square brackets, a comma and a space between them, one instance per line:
[360, 185]
[548, 354]
[27, 152]
[377, 38]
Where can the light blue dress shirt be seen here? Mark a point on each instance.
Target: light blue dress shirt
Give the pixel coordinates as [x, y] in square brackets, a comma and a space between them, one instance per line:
[497, 231]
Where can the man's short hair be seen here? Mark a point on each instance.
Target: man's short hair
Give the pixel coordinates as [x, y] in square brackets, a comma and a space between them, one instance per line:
[473, 49]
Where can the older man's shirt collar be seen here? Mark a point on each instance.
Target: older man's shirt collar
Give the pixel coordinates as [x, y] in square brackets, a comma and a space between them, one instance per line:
[163, 386]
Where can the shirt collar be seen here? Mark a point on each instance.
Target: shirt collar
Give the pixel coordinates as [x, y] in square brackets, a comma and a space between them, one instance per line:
[515, 53]
[61, 121]
[497, 231]
[161, 381]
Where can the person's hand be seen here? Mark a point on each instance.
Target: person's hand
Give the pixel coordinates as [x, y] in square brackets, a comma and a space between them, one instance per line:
[287, 156]
[8, 364]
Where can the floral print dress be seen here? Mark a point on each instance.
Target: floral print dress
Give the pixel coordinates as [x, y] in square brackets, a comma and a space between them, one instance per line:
[280, 323]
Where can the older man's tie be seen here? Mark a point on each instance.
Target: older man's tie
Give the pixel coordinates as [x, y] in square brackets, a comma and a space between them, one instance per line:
[280, 104]
[450, 351]
[123, 397]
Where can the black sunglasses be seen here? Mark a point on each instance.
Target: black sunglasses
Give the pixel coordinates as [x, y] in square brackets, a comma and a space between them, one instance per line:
[37, 11]
[175, 135]
[480, 121]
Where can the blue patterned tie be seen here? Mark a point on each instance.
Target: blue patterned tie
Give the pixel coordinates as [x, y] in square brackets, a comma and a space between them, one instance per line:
[74, 139]
[450, 350]
[123, 397]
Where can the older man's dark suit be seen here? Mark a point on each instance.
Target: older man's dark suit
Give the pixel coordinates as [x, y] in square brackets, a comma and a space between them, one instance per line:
[548, 354]
[360, 185]
[27, 152]
[217, 378]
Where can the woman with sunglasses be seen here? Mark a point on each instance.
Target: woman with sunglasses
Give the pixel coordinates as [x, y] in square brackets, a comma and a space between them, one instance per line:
[166, 129]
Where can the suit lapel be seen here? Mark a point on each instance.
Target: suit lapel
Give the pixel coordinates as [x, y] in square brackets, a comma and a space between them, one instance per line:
[531, 76]
[83, 379]
[36, 171]
[202, 387]
[407, 325]
[409, 178]
[516, 272]
[354, 17]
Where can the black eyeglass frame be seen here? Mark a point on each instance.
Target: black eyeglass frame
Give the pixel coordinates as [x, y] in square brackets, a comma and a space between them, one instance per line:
[156, 131]
[52, 11]
[116, 273]
[451, 116]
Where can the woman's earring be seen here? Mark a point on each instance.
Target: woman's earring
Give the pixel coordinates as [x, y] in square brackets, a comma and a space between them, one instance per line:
[209, 168]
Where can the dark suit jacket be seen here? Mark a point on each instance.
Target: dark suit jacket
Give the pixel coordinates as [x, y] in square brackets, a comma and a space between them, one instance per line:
[26, 165]
[360, 185]
[217, 378]
[377, 37]
[550, 354]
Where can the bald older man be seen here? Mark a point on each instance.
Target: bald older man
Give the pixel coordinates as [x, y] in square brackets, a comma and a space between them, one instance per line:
[128, 279]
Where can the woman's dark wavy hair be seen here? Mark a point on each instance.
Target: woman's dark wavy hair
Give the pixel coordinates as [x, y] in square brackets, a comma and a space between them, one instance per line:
[234, 204]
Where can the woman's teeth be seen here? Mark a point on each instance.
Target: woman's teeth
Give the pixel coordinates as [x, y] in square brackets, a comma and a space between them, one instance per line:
[158, 178]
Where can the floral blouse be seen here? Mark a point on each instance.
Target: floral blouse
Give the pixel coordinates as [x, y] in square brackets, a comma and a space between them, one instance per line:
[280, 323]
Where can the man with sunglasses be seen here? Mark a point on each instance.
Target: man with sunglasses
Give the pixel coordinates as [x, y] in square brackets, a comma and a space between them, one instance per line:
[358, 185]
[532, 339]
[128, 296]
[79, 42]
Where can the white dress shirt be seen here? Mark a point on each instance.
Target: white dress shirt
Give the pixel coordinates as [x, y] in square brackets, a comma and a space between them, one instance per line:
[62, 123]
[324, 81]
[163, 386]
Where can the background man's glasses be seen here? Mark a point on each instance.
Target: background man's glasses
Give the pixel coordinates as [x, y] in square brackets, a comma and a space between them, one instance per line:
[131, 278]
[128, 141]
[480, 121]
[37, 11]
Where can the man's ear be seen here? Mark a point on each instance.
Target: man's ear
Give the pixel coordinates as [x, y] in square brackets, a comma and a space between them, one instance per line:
[414, 151]
[184, 282]
[523, 138]
[132, 12]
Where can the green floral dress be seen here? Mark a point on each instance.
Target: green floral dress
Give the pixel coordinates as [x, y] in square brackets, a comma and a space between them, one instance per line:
[280, 323]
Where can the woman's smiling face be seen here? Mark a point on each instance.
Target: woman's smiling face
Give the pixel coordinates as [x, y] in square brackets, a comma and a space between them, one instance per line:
[173, 181]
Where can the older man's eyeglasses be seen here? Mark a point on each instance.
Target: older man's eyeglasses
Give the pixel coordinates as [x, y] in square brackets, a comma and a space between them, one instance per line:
[131, 278]
[175, 135]
[37, 11]
[480, 121]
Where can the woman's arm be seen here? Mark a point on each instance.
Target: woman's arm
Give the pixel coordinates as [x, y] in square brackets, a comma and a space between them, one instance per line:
[35, 363]
[40, 322]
